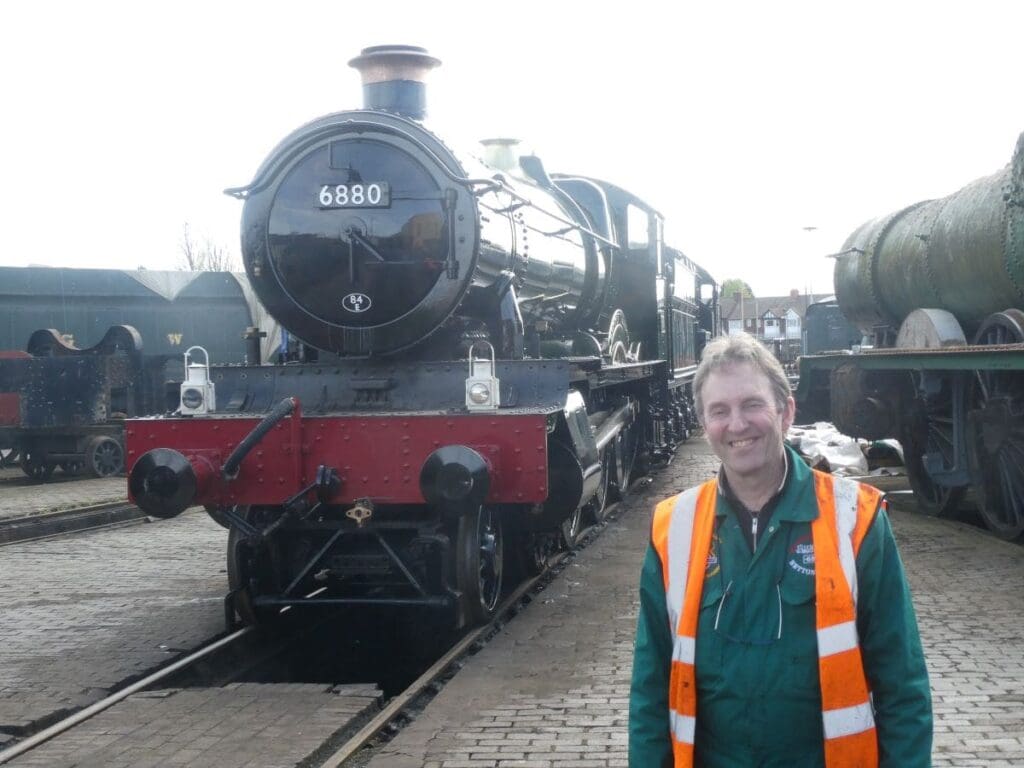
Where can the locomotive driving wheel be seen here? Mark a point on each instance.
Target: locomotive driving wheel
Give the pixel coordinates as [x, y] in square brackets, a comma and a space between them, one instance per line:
[572, 527]
[926, 424]
[928, 429]
[995, 431]
[480, 560]
[599, 504]
[626, 445]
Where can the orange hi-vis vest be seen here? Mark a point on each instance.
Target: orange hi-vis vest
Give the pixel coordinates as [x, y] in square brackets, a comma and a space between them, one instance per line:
[681, 535]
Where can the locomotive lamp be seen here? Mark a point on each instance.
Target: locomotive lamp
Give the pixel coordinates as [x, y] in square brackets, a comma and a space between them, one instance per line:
[198, 395]
[482, 392]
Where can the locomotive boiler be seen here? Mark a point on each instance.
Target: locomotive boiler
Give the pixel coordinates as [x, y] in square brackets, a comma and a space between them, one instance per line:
[963, 254]
[939, 286]
[488, 353]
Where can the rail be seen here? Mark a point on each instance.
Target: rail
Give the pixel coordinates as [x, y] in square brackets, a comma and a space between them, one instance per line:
[395, 707]
[94, 709]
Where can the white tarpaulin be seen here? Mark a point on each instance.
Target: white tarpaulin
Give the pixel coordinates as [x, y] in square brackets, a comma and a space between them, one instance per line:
[166, 284]
[844, 454]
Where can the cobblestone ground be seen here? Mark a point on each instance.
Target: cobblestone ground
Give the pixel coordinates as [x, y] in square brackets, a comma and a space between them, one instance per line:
[551, 690]
[80, 613]
[969, 595]
[243, 725]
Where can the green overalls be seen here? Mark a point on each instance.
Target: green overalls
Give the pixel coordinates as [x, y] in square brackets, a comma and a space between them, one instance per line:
[758, 696]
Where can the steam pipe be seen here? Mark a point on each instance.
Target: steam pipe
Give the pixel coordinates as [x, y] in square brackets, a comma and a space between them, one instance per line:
[282, 410]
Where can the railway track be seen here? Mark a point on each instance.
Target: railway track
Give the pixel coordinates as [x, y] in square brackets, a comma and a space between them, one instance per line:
[92, 710]
[77, 519]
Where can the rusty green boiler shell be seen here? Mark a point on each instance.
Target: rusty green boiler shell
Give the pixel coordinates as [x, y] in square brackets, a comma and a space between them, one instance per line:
[963, 253]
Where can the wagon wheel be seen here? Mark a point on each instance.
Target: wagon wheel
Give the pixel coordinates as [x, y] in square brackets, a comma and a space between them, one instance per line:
[995, 431]
[480, 560]
[929, 429]
[105, 456]
[36, 467]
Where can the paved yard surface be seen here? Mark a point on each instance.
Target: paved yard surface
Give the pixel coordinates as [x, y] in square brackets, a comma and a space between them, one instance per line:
[81, 613]
[243, 725]
[551, 690]
[20, 497]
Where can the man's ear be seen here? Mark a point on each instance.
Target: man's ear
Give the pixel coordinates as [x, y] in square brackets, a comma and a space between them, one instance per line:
[788, 414]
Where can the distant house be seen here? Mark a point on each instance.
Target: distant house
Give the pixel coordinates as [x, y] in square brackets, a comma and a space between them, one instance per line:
[775, 320]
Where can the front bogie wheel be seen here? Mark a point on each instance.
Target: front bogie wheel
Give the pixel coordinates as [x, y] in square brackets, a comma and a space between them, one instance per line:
[480, 563]
[252, 571]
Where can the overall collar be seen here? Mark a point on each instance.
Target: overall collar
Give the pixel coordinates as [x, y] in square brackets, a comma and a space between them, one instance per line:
[788, 500]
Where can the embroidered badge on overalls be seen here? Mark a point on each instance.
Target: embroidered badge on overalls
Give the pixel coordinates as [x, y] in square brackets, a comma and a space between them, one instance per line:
[713, 565]
[801, 556]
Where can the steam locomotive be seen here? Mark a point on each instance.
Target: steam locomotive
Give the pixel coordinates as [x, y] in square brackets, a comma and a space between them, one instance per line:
[939, 289]
[489, 353]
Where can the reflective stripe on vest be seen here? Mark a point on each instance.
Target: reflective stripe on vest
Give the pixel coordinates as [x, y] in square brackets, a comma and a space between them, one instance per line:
[681, 535]
[846, 509]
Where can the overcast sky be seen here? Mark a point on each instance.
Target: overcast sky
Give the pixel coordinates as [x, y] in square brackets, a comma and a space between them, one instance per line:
[743, 122]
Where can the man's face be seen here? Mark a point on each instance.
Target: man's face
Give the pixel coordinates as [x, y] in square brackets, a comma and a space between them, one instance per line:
[743, 422]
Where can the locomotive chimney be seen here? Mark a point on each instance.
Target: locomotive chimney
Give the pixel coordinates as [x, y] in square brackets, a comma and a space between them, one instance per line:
[394, 78]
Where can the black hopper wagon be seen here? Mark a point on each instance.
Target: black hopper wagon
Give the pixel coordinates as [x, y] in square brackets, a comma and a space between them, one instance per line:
[938, 290]
[490, 352]
[109, 343]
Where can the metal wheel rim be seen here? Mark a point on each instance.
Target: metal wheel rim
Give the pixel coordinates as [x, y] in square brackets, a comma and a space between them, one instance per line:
[490, 553]
[998, 471]
[626, 444]
[572, 526]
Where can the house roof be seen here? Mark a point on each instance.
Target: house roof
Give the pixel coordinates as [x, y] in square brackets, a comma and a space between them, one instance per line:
[760, 306]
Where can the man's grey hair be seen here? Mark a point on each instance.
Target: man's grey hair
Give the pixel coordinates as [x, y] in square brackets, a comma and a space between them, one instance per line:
[737, 349]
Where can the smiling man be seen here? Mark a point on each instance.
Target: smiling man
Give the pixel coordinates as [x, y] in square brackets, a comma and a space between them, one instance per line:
[776, 628]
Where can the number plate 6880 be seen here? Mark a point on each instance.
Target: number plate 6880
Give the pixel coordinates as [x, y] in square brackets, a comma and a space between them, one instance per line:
[375, 194]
